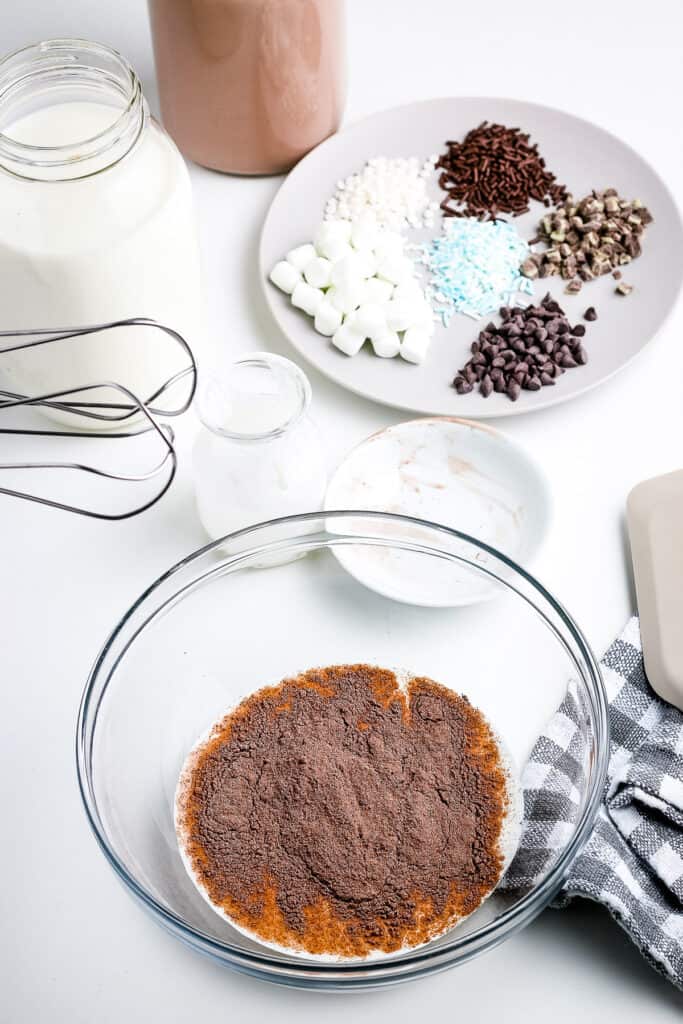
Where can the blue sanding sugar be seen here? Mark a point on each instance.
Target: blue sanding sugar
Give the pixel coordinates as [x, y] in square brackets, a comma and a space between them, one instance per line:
[474, 267]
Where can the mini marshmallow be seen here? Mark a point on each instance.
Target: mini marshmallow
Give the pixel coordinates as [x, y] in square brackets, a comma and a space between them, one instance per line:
[318, 272]
[366, 263]
[386, 345]
[415, 344]
[351, 320]
[307, 298]
[375, 290]
[395, 268]
[364, 232]
[327, 318]
[332, 239]
[336, 249]
[348, 340]
[401, 315]
[285, 277]
[389, 243]
[300, 256]
[335, 228]
[371, 319]
[409, 290]
[346, 297]
[346, 271]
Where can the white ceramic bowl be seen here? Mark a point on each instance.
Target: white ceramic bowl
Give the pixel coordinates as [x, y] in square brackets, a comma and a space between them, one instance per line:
[449, 471]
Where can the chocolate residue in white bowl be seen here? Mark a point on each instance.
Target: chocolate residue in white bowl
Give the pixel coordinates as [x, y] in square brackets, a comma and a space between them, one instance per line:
[448, 471]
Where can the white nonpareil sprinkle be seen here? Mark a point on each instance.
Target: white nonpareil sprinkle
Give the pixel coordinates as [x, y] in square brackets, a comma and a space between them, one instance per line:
[393, 188]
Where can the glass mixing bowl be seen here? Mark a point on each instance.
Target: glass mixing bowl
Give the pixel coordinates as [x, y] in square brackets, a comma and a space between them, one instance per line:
[240, 614]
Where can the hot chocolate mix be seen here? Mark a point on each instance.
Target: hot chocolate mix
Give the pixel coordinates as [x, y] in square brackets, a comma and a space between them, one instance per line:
[339, 813]
[249, 86]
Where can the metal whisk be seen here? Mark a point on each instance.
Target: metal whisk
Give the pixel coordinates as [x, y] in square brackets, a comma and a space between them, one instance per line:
[89, 401]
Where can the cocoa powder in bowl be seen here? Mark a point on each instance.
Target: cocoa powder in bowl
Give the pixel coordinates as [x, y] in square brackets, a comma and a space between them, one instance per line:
[339, 813]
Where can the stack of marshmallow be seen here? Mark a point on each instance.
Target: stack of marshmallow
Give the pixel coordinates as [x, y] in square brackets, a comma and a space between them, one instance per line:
[357, 282]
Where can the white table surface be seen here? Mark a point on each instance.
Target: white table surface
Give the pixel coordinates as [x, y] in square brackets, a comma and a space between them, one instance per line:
[73, 946]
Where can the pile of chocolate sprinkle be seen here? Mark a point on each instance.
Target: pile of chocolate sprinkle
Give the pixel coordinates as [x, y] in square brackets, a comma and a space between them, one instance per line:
[339, 813]
[495, 170]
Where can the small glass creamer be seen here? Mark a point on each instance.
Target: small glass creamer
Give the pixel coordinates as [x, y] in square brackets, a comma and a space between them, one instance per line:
[258, 455]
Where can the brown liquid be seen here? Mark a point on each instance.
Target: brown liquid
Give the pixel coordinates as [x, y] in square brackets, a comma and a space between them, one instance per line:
[249, 86]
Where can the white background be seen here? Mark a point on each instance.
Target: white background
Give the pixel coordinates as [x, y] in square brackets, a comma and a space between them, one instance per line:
[75, 947]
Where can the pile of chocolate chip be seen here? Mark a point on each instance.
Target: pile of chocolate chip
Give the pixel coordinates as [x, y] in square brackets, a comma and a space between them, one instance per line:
[530, 349]
[589, 237]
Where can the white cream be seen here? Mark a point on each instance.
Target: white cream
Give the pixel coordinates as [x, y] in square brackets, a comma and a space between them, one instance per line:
[242, 483]
[119, 243]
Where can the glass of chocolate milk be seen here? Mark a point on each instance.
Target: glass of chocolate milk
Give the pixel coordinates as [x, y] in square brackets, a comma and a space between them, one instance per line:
[249, 86]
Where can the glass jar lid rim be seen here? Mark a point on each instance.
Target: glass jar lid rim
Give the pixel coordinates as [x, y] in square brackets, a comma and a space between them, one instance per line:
[259, 360]
[99, 66]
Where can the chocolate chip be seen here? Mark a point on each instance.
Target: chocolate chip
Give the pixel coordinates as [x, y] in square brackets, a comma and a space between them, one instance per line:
[546, 346]
[590, 314]
[588, 237]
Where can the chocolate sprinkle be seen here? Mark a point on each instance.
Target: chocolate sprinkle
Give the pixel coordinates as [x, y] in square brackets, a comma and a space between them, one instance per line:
[495, 170]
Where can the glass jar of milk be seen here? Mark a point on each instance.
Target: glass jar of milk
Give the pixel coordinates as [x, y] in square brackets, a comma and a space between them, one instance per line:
[258, 456]
[96, 223]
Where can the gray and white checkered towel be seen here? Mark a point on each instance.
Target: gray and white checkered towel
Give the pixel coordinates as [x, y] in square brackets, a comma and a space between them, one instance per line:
[633, 861]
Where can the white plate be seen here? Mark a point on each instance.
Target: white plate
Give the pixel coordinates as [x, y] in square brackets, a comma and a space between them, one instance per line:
[582, 156]
[451, 472]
